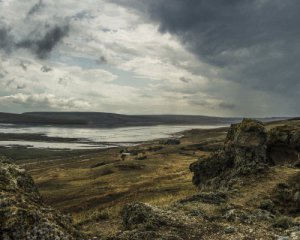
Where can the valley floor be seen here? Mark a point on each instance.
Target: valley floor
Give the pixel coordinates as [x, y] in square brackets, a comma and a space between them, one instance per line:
[95, 185]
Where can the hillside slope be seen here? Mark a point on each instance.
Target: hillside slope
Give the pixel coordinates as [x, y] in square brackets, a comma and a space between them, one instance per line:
[12, 118]
[106, 120]
[100, 119]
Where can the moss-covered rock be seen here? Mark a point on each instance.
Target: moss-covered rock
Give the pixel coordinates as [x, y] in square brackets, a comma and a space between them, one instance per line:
[282, 222]
[207, 169]
[22, 212]
[285, 135]
[268, 205]
[143, 221]
[244, 153]
[284, 145]
[246, 144]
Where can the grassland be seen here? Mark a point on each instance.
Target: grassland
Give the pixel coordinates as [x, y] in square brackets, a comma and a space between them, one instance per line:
[93, 185]
[97, 183]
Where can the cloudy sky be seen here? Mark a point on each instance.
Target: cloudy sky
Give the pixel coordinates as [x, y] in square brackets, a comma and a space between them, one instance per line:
[206, 57]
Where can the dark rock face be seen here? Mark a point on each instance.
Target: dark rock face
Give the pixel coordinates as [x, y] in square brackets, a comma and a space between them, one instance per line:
[244, 153]
[22, 212]
[297, 164]
[207, 170]
[246, 144]
[143, 221]
[285, 136]
[284, 145]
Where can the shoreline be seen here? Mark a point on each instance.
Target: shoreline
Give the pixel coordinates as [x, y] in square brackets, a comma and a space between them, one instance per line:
[89, 139]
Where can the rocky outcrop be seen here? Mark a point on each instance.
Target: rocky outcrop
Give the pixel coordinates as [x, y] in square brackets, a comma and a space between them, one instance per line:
[22, 212]
[207, 171]
[284, 149]
[222, 214]
[246, 145]
[143, 221]
[287, 135]
[284, 145]
[244, 153]
[191, 219]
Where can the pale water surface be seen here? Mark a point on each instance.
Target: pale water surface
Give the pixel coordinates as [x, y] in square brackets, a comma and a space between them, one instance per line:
[114, 136]
[53, 145]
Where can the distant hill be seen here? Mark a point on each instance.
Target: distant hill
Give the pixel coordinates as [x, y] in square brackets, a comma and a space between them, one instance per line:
[100, 119]
[32, 119]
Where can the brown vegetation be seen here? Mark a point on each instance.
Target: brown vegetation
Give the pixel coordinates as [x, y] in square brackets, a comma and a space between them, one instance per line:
[94, 187]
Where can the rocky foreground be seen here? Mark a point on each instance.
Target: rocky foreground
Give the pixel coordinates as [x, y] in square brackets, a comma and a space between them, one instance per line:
[249, 189]
[22, 212]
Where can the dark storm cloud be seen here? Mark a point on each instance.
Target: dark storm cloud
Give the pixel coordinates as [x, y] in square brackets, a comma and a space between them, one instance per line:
[211, 105]
[9, 82]
[12, 83]
[227, 106]
[101, 60]
[253, 42]
[185, 80]
[42, 47]
[21, 87]
[64, 80]
[46, 69]
[6, 40]
[82, 15]
[35, 8]
[24, 65]
[3, 72]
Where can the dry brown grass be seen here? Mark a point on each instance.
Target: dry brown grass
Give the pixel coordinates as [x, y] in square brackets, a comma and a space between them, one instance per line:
[95, 195]
[78, 186]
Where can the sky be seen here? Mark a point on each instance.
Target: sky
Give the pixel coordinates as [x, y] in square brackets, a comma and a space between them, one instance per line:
[198, 57]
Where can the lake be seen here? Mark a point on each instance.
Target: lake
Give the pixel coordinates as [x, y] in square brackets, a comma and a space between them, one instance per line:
[96, 137]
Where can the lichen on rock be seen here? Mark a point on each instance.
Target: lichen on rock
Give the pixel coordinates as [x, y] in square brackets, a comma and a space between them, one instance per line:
[144, 221]
[23, 215]
[284, 145]
[246, 144]
[244, 152]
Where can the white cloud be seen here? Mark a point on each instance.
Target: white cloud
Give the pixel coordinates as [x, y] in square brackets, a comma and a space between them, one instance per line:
[112, 60]
[47, 101]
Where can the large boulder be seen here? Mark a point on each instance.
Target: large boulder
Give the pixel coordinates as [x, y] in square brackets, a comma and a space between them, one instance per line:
[22, 212]
[207, 171]
[246, 144]
[144, 221]
[244, 153]
[285, 135]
